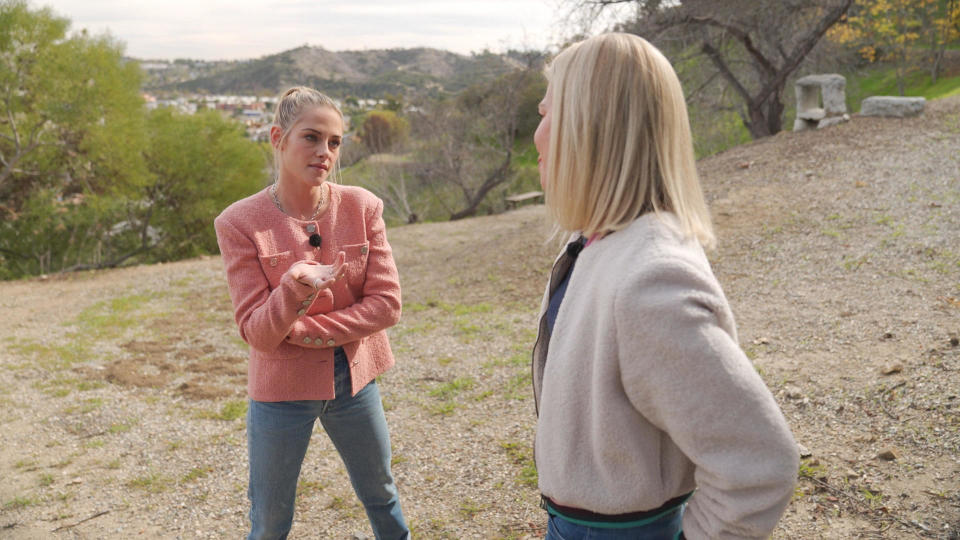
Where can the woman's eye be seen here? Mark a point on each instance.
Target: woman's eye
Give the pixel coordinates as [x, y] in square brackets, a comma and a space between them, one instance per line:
[334, 144]
[311, 138]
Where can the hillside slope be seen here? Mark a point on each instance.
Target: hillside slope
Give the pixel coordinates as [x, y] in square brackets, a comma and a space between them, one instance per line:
[122, 390]
[364, 74]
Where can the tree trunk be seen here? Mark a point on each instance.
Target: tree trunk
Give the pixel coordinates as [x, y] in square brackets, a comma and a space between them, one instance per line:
[496, 178]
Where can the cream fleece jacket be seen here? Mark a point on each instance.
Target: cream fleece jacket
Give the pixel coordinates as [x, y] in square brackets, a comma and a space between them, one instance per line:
[644, 393]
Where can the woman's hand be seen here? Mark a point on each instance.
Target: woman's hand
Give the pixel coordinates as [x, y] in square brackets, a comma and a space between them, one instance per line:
[319, 276]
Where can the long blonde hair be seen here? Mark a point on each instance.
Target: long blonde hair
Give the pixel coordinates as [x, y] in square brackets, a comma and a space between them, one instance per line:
[620, 143]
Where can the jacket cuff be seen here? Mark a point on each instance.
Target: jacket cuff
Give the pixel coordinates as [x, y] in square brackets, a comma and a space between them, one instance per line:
[299, 335]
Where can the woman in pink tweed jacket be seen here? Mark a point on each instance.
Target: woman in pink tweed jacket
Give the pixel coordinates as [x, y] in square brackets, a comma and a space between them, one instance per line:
[314, 286]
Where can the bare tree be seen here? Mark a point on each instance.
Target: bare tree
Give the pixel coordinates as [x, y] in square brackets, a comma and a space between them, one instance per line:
[754, 45]
[469, 140]
[389, 181]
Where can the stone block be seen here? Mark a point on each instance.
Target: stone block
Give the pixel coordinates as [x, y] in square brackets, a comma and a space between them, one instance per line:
[814, 114]
[892, 106]
[832, 88]
[832, 121]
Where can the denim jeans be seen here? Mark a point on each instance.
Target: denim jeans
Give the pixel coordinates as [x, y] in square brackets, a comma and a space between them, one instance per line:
[666, 528]
[277, 437]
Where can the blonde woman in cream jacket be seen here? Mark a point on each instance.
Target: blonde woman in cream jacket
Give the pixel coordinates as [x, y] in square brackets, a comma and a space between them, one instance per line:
[652, 423]
[314, 288]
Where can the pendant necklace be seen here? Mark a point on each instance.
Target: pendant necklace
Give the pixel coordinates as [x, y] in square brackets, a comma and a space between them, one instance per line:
[323, 199]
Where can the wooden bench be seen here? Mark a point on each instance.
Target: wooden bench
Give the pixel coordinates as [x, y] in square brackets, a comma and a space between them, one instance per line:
[514, 201]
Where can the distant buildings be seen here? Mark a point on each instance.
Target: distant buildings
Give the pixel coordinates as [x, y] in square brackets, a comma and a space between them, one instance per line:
[256, 113]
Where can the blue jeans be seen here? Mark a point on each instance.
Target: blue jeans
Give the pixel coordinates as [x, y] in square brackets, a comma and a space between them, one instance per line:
[666, 528]
[277, 438]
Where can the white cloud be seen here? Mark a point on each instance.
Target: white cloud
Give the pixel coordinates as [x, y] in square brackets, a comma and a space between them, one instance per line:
[217, 29]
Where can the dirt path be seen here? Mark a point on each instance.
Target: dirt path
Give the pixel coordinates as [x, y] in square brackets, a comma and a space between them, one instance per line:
[121, 392]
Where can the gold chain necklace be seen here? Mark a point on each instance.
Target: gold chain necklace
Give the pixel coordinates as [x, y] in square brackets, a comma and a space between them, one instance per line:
[323, 199]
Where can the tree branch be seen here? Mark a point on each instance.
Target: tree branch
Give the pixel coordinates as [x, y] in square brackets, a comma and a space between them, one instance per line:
[802, 49]
[742, 36]
[714, 56]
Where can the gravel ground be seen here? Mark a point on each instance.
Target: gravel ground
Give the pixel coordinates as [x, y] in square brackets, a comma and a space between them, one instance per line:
[121, 392]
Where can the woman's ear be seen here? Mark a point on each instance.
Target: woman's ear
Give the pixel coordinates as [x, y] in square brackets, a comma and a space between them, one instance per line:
[276, 134]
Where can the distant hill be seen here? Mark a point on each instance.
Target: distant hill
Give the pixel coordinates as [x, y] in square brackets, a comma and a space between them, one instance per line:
[361, 74]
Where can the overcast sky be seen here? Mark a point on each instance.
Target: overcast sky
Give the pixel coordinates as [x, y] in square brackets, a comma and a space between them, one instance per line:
[236, 29]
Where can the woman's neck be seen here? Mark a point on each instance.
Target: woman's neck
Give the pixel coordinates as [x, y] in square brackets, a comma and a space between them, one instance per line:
[301, 201]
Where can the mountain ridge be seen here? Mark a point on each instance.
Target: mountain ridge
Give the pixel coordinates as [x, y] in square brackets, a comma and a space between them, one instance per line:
[358, 73]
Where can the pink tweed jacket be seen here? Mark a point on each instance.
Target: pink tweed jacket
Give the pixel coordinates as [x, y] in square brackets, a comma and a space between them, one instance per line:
[292, 330]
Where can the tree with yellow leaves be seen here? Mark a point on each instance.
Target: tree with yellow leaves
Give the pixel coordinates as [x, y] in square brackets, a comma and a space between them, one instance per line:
[889, 30]
[944, 29]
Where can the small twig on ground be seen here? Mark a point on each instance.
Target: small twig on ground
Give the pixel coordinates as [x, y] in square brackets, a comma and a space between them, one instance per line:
[883, 396]
[98, 514]
[865, 510]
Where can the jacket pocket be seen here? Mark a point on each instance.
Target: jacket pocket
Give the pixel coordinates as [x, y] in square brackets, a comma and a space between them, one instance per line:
[275, 265]
[355, 263]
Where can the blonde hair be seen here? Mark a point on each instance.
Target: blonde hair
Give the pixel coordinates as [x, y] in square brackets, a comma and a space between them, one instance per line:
[291, 105]
[620, 143]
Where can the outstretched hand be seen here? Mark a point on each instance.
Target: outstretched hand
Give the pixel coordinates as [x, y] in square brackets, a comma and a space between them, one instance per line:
[319, 276]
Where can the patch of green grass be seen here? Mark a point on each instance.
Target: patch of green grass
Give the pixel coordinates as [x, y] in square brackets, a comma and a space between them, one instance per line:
[46, 480]
[465, 309]
[233, 410]
[854, 263]
[811, 469]
[445, 408]
[91, 404]
[483, 395]
[151, 483]
[121, 427]
[417, 307]
[338, 503]
[402, 331]
[884, 219]
[19, 502]
[24, 463]
[445, 360]
[881, 80]
[469, 508]
[518, 387]
[467, 330]
[522, 455]
[95, 443]
[71, 350]
[520, 359]
[107, 318]
[453, 388]
[196, 473]
[306, 488]
[62, 386]
[873, 498]
[230, 411]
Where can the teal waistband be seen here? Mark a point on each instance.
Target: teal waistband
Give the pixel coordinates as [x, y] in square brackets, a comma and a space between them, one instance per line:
[616, 525]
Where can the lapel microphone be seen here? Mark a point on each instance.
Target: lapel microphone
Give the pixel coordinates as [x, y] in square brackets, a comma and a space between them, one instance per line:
[315, 240]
